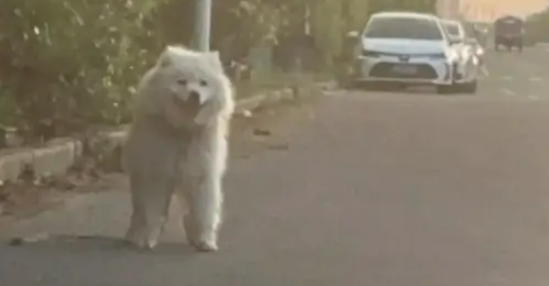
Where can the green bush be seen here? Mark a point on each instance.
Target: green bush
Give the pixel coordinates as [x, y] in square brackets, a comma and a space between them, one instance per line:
[67, 63]
[537, 26]
[423, 6]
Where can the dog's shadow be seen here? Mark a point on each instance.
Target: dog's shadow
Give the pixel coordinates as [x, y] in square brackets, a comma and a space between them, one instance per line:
[71, 260]
[98, 245]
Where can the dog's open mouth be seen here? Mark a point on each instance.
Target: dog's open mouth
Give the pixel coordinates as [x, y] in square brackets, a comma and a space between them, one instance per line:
[192, 102]
[194, 99]
[190, 106]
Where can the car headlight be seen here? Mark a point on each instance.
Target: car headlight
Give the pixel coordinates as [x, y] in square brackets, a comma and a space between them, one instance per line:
[371, 54]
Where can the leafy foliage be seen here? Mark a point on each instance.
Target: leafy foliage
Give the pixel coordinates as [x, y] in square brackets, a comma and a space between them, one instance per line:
[537, 26]
[424, 6]
[65, 63]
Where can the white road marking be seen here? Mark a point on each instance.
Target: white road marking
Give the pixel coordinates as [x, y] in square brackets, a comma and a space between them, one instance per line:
[508, 91]
[535, 79]
[486, 71]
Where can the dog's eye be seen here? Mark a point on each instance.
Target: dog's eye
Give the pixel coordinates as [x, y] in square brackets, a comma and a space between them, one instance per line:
[203, 83]
[182, 82]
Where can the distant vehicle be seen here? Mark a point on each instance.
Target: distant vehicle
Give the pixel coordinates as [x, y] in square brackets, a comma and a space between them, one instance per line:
[408, 48]
[455, 30]
[509, 32]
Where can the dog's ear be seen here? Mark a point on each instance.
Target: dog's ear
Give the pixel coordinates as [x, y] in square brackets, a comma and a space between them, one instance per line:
[166, 58]
[172, 54]
[214, 59]
[214, 55]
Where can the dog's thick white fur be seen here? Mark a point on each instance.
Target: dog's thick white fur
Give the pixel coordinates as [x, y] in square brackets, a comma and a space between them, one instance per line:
[177, 145]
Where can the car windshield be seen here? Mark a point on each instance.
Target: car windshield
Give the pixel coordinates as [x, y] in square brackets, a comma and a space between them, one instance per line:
[403, 28]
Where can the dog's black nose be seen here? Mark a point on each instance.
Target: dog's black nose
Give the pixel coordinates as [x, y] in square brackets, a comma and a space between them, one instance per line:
[194, 96]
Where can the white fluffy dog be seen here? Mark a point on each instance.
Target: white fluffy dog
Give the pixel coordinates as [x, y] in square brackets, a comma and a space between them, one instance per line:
[177, 145]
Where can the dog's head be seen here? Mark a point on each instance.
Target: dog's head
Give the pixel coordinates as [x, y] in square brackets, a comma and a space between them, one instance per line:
[196, 80]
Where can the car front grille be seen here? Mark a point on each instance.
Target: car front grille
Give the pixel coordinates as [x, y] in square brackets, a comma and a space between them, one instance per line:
[387, 70]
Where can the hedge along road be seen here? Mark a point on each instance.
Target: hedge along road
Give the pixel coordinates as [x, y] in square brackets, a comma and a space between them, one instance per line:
[357, 188]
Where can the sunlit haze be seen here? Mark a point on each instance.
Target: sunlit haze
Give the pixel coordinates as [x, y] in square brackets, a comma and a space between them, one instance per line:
[490, 9]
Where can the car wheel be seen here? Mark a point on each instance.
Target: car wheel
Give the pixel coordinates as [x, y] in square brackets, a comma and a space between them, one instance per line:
[351, 84]
[392, 86]
[400, 86]
[470, 87]
[446, 89]
[369, 86]
[359, 85]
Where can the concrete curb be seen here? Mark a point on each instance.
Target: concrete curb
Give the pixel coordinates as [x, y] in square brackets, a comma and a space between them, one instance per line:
[59, 155]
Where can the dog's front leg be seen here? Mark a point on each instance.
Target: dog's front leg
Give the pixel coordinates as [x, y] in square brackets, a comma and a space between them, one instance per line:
[204, 219]
[206, 167]
[150, 203]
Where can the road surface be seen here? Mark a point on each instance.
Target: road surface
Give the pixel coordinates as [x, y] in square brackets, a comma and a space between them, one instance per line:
[356, 188]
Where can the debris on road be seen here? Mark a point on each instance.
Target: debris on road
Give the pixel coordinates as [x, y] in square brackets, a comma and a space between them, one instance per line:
[281, 146]
[261, 132]
[246, 113]
[18, 241]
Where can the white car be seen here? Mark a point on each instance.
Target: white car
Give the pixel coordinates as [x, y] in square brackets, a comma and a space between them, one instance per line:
[407, 48]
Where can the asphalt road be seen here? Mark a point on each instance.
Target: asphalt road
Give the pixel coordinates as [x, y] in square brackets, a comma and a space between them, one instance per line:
[356, 188]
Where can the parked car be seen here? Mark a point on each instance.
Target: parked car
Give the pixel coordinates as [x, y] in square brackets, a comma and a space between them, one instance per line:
[408, 48]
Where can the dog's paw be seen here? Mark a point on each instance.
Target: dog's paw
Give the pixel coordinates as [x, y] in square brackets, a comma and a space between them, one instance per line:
[204, 246]
[141, 244]
[141, 241]
[201, 241]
